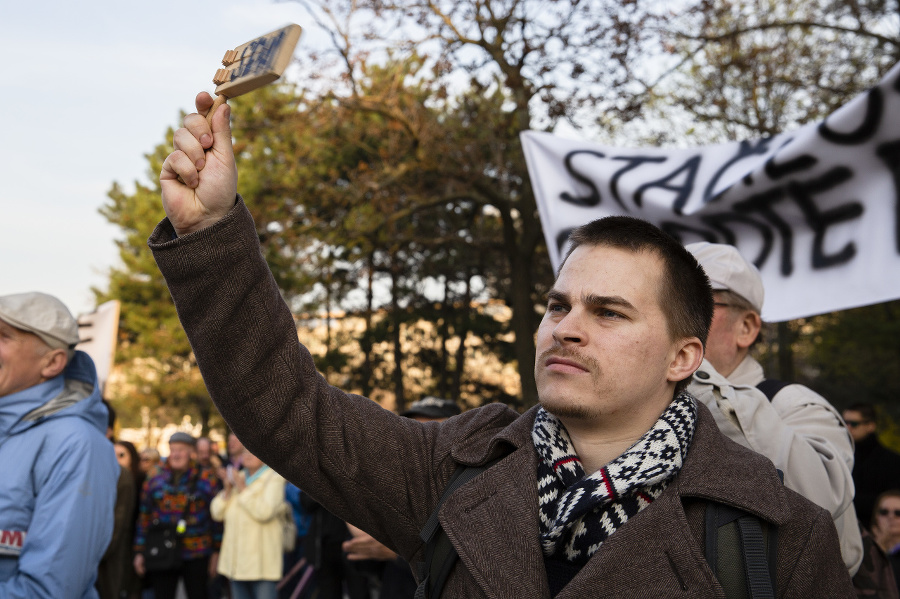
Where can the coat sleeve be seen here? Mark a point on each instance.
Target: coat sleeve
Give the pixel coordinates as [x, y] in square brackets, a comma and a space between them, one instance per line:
[804, 437]
[367, 465]
[72, 522]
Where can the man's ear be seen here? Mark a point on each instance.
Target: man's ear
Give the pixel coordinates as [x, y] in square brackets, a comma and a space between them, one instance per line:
[686, 359]
[747, 329]
[54, 362]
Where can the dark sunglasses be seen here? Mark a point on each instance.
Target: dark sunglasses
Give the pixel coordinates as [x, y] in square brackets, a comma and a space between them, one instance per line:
[884, 512]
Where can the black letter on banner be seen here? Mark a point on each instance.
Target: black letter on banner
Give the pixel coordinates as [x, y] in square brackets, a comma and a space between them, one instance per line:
[717, 222]
[890, 154]
[865, 131]
[634, 162]
[676, 229]
[820, 221]
[745, 149]
[684, 190]
[800, 163]
[762, 203]
[591, 200]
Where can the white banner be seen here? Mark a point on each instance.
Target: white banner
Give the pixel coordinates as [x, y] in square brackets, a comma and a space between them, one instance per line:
[817, 210]
[99, 332]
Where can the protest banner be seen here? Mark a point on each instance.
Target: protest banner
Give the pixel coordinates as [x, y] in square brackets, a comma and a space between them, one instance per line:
[817, 209]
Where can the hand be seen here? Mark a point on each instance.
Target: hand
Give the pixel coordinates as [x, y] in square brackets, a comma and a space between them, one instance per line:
[363, 546]
[199, 179]
[213, 565]
[139, 565]
[240, 481]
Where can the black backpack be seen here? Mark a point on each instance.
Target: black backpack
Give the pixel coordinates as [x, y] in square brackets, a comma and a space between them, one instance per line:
[740, 548]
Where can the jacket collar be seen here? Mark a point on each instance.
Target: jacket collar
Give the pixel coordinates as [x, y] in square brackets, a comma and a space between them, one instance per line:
[74, 392]
[749, 372]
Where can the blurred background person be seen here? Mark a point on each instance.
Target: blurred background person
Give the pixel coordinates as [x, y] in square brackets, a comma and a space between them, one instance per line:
[294, 575]
[876, 468]
[886, 527]
[235, 452]
[206, 457]
[178, 494]
[129, 458]
[111, 570]
[150, 459]
[249, 506]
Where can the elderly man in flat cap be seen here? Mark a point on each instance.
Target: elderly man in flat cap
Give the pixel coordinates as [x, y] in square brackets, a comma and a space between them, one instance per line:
[790, 424]
[57, 469]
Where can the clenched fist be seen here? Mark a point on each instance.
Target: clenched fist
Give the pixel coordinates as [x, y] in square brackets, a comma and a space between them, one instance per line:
[199, 179]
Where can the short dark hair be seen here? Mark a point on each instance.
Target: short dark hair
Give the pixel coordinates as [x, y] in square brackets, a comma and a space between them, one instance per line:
[866, 410]
[685, 295]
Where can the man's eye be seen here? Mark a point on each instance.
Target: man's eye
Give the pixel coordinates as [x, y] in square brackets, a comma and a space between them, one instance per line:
[610, 314]
[555, 307]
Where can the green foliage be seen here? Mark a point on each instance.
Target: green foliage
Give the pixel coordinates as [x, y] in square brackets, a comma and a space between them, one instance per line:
[857, 357]
[153, 349]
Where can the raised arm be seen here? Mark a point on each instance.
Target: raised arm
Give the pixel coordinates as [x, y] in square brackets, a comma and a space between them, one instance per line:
[366, 464]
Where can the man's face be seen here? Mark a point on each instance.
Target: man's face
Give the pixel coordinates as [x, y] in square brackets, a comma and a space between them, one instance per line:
[603, 346]
[179, 456]
[859, 427]
[21, 359]
[721, 344]
[203, 451]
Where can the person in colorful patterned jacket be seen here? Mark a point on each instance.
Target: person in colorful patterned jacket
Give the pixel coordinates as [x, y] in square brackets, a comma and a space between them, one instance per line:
[181, 490]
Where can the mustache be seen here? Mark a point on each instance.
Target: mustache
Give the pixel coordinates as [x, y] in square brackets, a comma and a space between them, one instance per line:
[569, 353]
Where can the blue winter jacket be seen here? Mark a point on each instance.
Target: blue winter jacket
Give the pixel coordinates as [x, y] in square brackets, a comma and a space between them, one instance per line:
[58, 488]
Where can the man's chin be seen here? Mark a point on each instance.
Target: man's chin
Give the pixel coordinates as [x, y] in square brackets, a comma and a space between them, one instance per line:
[568, 410]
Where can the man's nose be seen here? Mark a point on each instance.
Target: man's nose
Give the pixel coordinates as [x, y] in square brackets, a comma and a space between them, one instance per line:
[570, 330]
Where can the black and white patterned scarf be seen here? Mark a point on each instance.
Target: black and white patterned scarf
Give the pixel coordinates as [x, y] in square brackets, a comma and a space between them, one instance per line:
[578, 513]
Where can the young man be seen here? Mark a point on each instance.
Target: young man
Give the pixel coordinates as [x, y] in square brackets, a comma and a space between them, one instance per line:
[797, 428]
[601, 491]
[58, 470]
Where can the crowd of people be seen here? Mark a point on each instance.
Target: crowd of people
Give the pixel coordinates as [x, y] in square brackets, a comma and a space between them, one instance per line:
[661, 460]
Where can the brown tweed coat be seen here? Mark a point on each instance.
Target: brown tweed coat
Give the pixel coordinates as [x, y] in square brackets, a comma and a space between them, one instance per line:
[385, 473]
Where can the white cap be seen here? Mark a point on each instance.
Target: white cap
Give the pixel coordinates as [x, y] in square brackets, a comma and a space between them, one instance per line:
[43, 315]
[728, 270]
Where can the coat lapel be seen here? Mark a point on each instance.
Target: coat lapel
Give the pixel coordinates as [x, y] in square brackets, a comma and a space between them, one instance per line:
[493, 523]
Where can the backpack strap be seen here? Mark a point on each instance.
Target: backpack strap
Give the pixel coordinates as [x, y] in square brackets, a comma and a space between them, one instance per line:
[771, 387]
[440, 555]
[741, 550]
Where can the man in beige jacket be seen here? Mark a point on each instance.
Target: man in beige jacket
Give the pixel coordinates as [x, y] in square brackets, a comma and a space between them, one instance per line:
[797, 428]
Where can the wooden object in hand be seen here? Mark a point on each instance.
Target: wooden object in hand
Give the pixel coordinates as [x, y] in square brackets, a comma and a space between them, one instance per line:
[254, 64]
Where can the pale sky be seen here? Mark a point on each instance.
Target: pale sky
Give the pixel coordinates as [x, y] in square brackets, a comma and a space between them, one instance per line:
[86, 89]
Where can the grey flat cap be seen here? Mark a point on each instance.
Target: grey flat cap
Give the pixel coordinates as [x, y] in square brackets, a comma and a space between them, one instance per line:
[43, 315]
[728, 270]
